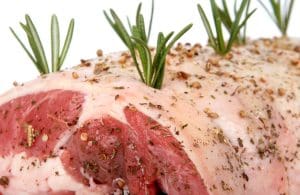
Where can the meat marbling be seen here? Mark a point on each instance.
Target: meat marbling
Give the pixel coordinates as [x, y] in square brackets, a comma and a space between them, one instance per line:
[219, 125]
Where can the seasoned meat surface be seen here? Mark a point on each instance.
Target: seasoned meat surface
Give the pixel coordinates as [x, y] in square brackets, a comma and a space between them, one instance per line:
[219, 125]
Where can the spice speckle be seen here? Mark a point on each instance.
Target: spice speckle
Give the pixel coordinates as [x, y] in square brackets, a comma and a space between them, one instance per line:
[4, 181]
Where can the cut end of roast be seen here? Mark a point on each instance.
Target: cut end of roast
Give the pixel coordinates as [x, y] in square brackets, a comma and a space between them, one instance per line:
[140, 157]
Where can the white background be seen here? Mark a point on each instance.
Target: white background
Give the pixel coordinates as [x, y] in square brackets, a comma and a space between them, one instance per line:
[93, 32]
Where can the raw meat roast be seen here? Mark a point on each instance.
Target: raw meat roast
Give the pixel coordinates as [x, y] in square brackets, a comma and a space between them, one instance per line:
[219, 125]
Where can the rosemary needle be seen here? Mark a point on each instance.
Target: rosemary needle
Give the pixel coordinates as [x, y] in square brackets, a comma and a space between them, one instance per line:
[37, 54]
[280, 13]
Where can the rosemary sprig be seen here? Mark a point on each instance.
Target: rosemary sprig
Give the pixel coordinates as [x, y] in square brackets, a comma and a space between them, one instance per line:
[222, 17]
[150, 69]
[280, 13]
[228, 23]
[38, 56]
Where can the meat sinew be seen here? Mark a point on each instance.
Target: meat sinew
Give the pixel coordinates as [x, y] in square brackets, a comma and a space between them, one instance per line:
[219, 125]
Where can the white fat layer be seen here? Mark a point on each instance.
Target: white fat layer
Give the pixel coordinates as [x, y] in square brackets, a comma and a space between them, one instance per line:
[32, 176]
